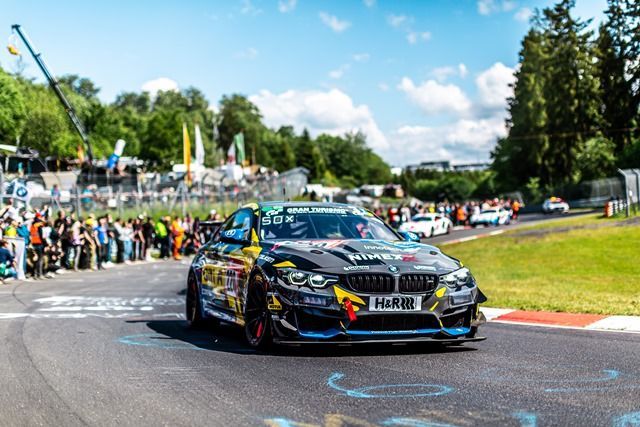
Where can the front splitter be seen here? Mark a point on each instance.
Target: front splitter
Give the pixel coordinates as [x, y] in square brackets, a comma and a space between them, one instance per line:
[378, 341]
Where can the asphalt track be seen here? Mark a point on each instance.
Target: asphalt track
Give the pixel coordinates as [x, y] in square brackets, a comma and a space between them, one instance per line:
[111, 348]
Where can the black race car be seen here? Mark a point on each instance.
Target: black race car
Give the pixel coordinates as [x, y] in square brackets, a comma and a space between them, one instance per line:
[317, 272]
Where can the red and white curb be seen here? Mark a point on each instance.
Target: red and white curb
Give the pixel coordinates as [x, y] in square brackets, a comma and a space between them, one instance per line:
[563, 320]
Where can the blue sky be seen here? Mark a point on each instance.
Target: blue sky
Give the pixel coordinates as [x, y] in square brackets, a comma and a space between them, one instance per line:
[425, 80]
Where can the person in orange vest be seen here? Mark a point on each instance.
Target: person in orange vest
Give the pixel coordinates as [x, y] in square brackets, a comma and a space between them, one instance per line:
[37, 243]
[515, 207]
[178, 234]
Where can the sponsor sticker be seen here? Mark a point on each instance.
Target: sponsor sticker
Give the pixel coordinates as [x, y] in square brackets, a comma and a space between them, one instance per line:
[356, 268]
[424, 267]
[266, 258]
[395, 303]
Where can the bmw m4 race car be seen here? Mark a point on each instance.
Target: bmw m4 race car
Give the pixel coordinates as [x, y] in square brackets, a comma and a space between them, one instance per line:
[329, 273]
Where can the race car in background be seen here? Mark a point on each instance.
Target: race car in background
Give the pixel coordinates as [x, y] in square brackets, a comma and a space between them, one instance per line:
[427, 225]
[492, 216]
[294, 273]
[555, 205]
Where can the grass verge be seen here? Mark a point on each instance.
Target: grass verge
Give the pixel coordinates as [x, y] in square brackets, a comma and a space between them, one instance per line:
[580, 265]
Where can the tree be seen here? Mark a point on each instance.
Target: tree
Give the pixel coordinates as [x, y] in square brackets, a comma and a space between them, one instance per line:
[238, 114]
[309, 156]
[13, 112]
[570, 91]
[597, 159]
[619, 106]
[520, 155]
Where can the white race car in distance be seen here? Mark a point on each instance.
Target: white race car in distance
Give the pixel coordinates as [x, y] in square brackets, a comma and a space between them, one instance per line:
[555, 204]
[427, 225]
[492, 216]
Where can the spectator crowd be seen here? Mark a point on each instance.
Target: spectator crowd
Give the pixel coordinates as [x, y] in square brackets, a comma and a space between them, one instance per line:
[458, 213]
[46, 244]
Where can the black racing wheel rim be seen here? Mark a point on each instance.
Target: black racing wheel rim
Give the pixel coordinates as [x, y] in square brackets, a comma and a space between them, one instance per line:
[256, 315]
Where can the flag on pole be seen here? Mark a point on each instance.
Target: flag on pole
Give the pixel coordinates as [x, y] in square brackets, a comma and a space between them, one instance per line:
[238, 141]
[231, 154]
[199, 147]
[80, 151]
[186, 150]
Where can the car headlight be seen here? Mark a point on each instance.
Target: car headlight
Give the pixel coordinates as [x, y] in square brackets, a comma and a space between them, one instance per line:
[457, 278]
[304, 278]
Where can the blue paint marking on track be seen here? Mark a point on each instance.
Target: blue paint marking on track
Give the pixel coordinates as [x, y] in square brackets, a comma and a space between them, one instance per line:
[411, 422]
[632, 419]
[156, 341]
[385, 391]
[526, 419]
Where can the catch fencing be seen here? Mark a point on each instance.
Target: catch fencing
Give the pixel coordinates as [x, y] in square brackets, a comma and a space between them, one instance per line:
[155, 193]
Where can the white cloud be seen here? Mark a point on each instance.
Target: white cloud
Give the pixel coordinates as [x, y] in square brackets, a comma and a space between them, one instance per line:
[414, 37]
[248, 8]
[339, 72]
[474, 126]
[462, 70]
[465, 140]
[332, 112]
[397, 21]
[369, 3]
[361, 57]
[441, 74]
[164, 84]
[286, 6]
[488, 7]
[494, 86]
[435, 98]
[334, 23]
[523, 15]
[250, 53]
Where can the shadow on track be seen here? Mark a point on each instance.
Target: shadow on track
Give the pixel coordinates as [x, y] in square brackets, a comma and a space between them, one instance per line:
[176, 334]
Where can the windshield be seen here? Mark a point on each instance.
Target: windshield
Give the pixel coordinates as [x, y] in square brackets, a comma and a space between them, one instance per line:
[421, 218]
[321, 222]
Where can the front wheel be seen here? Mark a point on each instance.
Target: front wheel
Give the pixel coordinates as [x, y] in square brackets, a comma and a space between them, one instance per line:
[194, 311]
[257, 326]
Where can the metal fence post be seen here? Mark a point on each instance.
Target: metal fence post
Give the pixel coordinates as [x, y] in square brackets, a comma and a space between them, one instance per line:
[626, 190]
[637, 174]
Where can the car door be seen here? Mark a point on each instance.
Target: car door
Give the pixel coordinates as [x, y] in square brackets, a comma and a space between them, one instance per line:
[236, 263]
[213, 273]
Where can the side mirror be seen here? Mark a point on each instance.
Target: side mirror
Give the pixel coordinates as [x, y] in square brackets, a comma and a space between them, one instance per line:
[409, 236]
[235, 236]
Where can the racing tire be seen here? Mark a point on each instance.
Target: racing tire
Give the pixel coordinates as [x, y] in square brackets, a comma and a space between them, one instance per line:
[193, 308]
[448, 229]
[257, 320]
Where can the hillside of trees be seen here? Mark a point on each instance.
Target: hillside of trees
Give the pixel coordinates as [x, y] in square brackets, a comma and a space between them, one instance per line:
[574, 114]
[30, 113]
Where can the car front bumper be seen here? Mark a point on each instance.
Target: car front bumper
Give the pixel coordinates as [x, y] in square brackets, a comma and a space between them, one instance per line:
[327, 320]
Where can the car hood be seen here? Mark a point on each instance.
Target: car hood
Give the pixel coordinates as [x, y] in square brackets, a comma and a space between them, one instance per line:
[344, 256]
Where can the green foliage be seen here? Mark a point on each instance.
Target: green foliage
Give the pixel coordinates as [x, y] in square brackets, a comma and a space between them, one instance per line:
[597, 159]
[12, 109]
[425, 189]
[152, 129]
[575, 105]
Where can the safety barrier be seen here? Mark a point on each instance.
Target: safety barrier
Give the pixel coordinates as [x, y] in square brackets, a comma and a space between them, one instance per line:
[614, 207]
